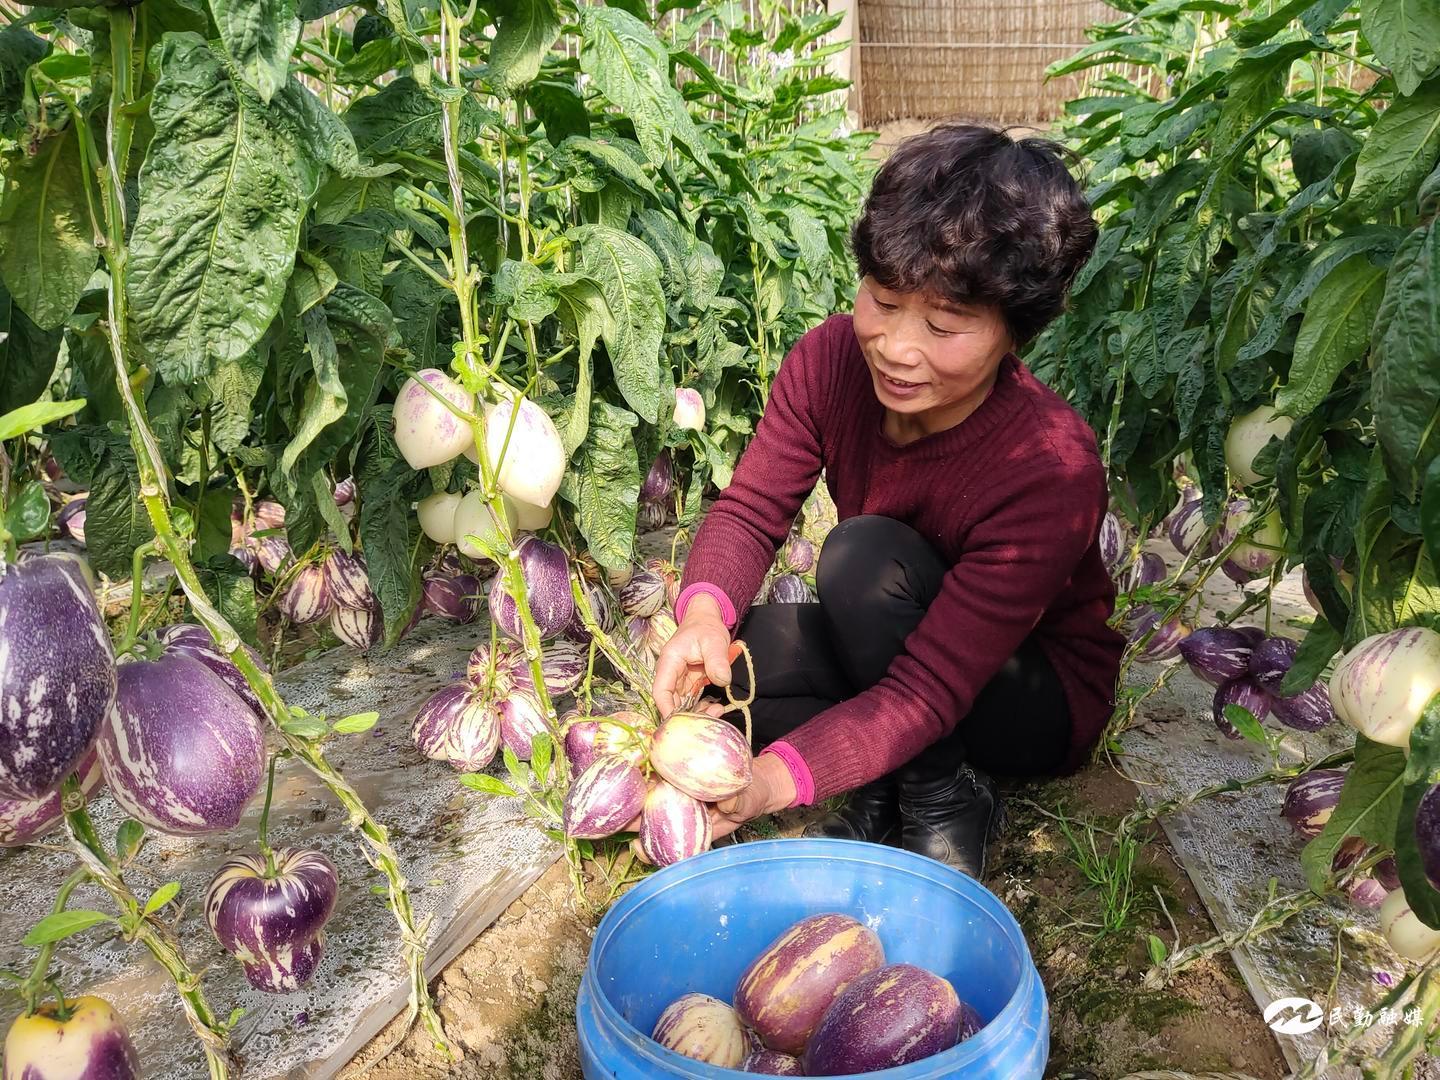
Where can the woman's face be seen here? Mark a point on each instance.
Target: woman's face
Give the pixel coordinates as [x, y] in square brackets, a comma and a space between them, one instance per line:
[932, 362]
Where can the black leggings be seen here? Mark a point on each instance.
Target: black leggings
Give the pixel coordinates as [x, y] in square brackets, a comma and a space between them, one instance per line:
[876, 577]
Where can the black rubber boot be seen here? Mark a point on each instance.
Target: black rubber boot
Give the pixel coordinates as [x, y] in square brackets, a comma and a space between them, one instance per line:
[871, 813]
[949, 816]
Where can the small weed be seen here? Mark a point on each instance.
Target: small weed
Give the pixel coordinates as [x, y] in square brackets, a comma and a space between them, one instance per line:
[1109, 867]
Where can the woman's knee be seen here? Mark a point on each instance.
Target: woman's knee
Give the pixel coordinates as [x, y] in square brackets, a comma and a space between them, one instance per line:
[871, 558]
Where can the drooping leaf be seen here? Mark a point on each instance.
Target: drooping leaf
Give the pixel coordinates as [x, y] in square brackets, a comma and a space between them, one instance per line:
[27, 355]
[1400, 151]
[1406, 383]
[33, 417]
[325, 396]
[222, 194]
[405, 116]
[116, 522]
[19, 49]
[1335, 331]
[585, 314]
[47, 242]
[524, 36]
[1405, 35]
[560, 109]
[61, 925]
[604, 485]
[1369, 806]
[28, 515]
[1422, 772]
[259, 35]
[395, 549]
[415, 302]
[629, 277]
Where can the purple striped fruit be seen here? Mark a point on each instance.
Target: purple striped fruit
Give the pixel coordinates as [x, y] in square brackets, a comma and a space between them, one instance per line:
[1387, 873]
[349, 585]
[307, 599]
[1427, 834]
[789, 589]
[1165, 642]
[1310, 800]
[703, 756]
[344, 492]
[702, 1028]
[1187, 526]
[1381, 685]
[605, 798]
[1309, 710]
[457, 725]
[970, 1021]
[1149, 569]
[57, 673]
[91, 1044]
[659, 482]
[669, 573]
[658, 629]
[546, 572]
[884, 1019]
[798, 554]
[625, 734]
[273, 553]
[771, 1063]
[787, 989]
[193, 641]
[1245, 693]
[520, 721]
[360, 628]
[273, 924]
[643, 595]
[1364, 891]
[599, 609]
[454, 598]
[1112, 541]
[673, 826]
[427, 431]
[71, 520]
[562, 666]
[181, 752]
[1271, 660]
[1217, 654]
[23, 820]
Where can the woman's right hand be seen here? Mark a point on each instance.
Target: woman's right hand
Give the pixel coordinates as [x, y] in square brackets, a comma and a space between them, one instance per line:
[699, 648]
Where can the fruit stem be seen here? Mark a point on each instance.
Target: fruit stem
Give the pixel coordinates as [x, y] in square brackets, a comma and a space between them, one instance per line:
[137, 597]
[265, 848]
[158, 938]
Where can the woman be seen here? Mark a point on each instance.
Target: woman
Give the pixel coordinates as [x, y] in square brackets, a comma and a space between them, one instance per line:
[961, 623]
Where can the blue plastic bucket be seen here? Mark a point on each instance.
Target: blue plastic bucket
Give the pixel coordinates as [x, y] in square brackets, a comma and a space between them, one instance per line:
[697, 925]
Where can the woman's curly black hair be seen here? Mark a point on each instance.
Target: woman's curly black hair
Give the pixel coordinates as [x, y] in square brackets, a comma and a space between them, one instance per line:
[977, 217]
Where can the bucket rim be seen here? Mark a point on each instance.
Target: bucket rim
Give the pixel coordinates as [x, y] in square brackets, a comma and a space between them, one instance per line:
[997, 1032]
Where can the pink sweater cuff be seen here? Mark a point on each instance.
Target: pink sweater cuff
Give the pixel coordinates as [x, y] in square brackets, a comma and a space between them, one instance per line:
[799, 772]
[727, 609]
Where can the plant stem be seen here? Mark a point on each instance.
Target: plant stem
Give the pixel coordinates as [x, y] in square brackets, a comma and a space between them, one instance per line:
[148, 930]
[264, 831]
[33, 988]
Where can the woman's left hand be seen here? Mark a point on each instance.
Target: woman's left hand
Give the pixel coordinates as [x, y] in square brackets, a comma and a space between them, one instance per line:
[771, 789]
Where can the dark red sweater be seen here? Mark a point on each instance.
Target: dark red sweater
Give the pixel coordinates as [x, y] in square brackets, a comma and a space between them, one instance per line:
[1012, 496]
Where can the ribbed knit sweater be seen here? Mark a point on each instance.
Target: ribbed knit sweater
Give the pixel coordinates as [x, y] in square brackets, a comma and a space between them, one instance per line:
[1012, 497]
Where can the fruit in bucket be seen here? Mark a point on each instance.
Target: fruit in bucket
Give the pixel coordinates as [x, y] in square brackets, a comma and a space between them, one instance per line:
[890, 1017]
[703, 1028]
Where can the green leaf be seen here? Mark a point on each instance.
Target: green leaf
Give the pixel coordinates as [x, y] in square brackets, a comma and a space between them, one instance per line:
[325, 396]
[27, 354]
[560, 109]
[230, 587]
[524, 291]
[28, 515]
[629, 277]
[222, 194]
[523, 37]
[312, 280]
[1400, 151]
[33, 417]
[541, 751]
[405, 116]
[1422, 772]
[353, 725]
[604, 485]
[415, 302]
[1406, 382]
[1316, 649]
[1156, 948]
[1243, 720]
[395, 550]
[488, 785]
[115, 519]
[519, 774]
[585, 314]
[1430, 510]
[1335, 332]
[128, 838]
[162, 896]
[631, 68]
[1254, 32]
[259, 35]
[61, 925]
[1405, 35]
[304, 726]
[611, 157]
[1369, 805]
[47, 241]
[212, 524]
[19, 49]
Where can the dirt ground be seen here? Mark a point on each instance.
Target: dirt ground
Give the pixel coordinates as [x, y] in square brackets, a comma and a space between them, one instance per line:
[508, 1001]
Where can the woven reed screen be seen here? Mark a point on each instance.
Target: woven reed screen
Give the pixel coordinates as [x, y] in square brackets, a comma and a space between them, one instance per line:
[980, 59]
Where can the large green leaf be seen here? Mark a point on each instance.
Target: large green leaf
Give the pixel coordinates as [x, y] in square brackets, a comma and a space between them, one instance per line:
[604, 485]
[325, 396]
[405, 116]
[584, 313]
[1401, 150]
[228, 584]
[115, 519]
[1368, 807]
[629, 277]
[609, 157]
[394, 548]
[259, 35]
[47, 242]
[222, 194]
[415, 301]
[1406, 383]
[27, 355]
[1405, 35]
[1335, 331]
[525, 34]
[631, 68]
